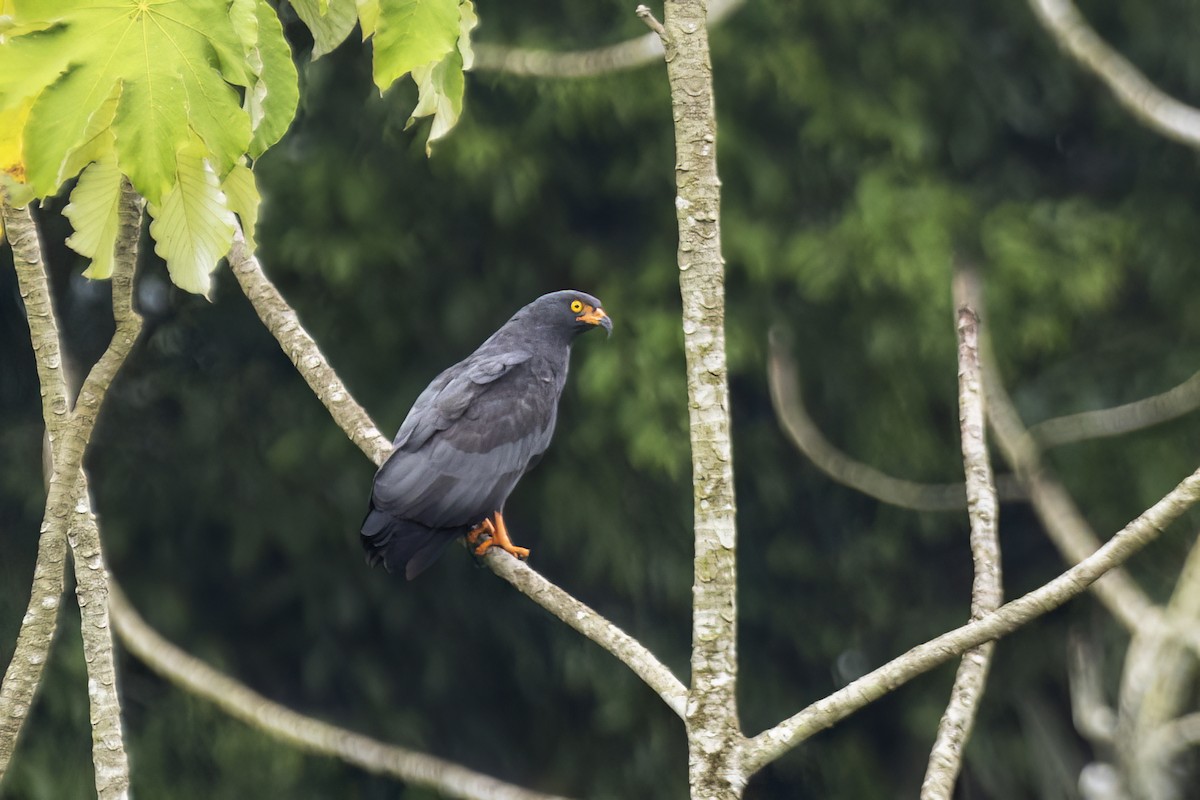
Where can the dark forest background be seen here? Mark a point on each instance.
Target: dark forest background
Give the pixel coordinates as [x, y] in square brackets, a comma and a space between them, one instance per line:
[862, 144]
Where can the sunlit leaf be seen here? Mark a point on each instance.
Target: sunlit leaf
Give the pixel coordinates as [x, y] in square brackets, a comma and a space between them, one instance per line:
[368, 16]
[468, 21]
[98, 137]
[93, 214]
[12, 127]
[241, 192]
[193, 226]
[412, 33]
[441, 86]
[175, 67]
[329, 22]
[275, 90]
[441, 96]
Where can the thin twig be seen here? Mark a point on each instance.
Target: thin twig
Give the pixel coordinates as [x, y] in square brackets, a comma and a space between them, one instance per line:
[632, 53]
[306, 733]
[945, 759]
[771, 744]
[281, 320]
[647, 16]
[784, 383]
[1118, 420]
[1149, 104]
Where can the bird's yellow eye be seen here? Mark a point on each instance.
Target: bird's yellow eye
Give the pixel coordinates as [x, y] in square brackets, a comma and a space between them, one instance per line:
[576, 306]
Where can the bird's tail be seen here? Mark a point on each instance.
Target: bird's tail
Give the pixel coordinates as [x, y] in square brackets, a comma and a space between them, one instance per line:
[402, 543]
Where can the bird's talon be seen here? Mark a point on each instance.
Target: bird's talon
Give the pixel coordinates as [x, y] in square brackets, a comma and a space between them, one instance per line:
[479, 530]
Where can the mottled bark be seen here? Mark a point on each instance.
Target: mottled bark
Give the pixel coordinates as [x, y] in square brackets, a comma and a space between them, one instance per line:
[38, 626]
[281, 320]
[987, 591]
[68, 513]
[714, 735]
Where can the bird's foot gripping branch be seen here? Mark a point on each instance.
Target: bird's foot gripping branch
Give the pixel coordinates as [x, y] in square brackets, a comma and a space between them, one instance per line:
[494, 534]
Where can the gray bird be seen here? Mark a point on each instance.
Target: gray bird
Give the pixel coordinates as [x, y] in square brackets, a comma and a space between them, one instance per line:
[471, 435]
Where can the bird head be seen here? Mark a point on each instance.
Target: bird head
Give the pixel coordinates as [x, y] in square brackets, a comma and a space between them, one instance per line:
[570, 311]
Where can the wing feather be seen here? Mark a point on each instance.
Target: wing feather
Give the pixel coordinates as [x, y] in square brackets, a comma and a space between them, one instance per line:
[465, 445]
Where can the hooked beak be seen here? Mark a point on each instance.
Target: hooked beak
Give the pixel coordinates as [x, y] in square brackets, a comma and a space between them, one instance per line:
[596, 316]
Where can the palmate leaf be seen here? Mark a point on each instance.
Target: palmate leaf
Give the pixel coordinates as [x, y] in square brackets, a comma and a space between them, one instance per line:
[329, 21]
[174, 64]
[440, 90]
[274, 94]
[241, 192]
[193, 226]
[412, 33]
[440, 83]
[173, 94]
[93, 214]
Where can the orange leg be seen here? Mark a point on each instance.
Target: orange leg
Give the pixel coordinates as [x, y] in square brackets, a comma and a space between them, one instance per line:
[499, 538]
[484, 528]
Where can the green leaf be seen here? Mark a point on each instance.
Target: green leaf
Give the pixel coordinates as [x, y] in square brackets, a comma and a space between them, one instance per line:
[271, 101]
[412, 33]
[93, 214]
[193, 227]
[98, 138]
[173, 62]
[368, 16]
[241, 191]
[329, 22]
[468, 21]
[441, 95]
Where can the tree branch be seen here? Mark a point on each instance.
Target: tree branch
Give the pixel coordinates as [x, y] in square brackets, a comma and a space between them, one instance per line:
[585, 620]
[637, 52]
[1144, 413]
[987, 592]
[784, 382]
[281, 320]
[1157, 682]
[91, 574]
[1149, 104]
[771, 744]
[306, 733]
[1063, 521]
[714, 734]
[68, 516]
[24, 672]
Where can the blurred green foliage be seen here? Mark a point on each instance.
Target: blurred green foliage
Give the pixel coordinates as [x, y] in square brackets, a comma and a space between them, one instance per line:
[861, 145]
